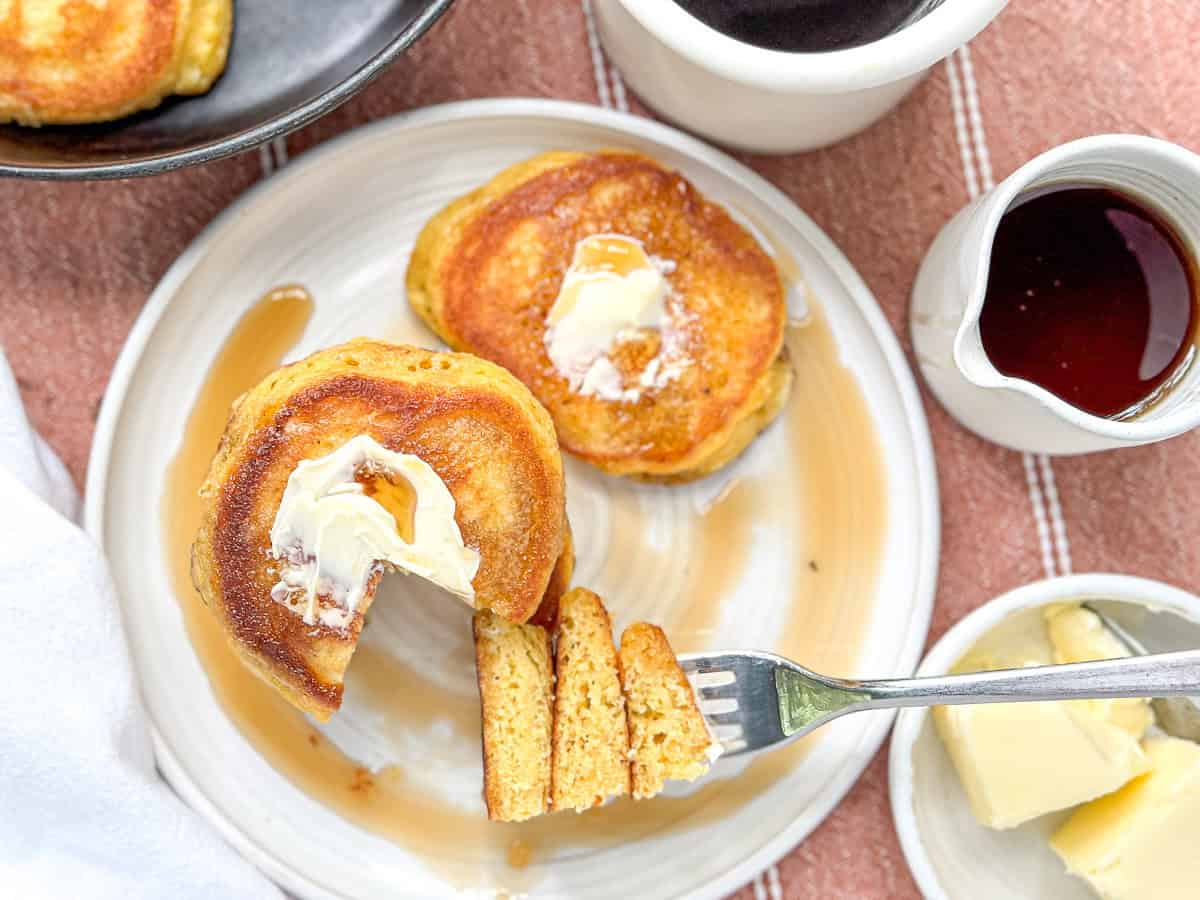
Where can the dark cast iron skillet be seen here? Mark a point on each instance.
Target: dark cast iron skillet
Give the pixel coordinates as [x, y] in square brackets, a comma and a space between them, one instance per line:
[291, 62]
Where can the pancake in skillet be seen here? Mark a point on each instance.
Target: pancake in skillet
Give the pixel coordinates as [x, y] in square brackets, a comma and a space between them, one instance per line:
[467, 424]
[66, 62]
[699, 370]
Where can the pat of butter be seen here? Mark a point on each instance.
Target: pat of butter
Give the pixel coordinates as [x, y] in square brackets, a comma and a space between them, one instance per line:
[1140, 842]
[332, 538]
[611, 290]
[1078, 635]
[1018, 761]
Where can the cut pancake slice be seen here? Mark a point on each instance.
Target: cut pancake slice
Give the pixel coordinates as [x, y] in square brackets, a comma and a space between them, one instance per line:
[668, 734]
[590, 760]
[516, 690]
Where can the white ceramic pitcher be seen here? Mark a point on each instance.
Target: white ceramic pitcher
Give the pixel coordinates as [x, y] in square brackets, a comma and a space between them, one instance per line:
[948, 297]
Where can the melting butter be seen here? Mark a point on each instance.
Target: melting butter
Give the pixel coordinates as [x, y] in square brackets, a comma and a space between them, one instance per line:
[612, 290]
[333, 537]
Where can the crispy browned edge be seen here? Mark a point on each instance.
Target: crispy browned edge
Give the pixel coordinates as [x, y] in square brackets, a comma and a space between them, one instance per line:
[254, 410]
[560, 581]
[602, 610]
[424, 290]
[493, 790]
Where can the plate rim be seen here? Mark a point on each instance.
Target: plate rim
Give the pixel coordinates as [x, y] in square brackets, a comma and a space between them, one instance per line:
[552, 110]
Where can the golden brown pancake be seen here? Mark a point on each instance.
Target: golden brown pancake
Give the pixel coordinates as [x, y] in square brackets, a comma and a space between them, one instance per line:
[515, 673]
[487, 270]
[476, 426]
[66, 62]
[589, 759]
[668, 737]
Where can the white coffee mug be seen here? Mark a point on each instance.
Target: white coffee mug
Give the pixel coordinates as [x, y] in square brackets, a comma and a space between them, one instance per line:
[768, 100]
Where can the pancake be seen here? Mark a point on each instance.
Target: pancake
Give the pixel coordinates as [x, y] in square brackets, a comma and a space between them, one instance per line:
[598, 724]
[682, 398]
[516, 696]
[590, 753]
[560, 581]
[668, 736]
[64, 62]
[472, 424]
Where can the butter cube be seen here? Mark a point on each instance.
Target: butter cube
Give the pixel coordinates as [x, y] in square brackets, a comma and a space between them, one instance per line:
[1140, 842]
[1078, 635]
[1018, 761]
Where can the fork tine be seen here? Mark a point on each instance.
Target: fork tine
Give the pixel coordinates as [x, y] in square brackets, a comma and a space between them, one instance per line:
[720, 692]
[714, 678]
[728, 732]
[719, 706]
[704, 665]
[736, 693]
[733, 717]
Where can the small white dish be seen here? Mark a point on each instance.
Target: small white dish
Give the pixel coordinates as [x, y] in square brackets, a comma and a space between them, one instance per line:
[952, 856]
[768, 100]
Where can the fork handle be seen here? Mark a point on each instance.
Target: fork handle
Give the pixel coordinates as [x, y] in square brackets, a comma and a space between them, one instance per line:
[1154, 675]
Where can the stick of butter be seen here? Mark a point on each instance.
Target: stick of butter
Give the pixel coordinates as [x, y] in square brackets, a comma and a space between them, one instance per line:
[1018, 761]
[1140, 842]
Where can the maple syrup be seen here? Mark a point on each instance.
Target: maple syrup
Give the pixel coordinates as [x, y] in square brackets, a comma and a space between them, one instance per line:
[394, 493]
[721, 550]
[1092, 296]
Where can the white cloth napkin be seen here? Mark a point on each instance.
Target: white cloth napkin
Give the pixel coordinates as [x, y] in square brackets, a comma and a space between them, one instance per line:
[82, 812]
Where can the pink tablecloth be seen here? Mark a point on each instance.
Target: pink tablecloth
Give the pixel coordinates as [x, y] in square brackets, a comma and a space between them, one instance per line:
[77, 262]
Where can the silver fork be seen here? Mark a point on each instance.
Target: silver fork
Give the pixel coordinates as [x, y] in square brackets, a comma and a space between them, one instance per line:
[755, 701]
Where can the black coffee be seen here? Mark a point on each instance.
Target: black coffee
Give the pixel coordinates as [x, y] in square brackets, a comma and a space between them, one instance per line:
[804, 26]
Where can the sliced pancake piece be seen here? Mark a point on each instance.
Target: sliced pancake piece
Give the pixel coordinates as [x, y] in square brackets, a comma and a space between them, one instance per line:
[686, 380]
[475, 427]
[668, 735]
[516, 691]
[591, 736]
[64, 62]
[560, 581]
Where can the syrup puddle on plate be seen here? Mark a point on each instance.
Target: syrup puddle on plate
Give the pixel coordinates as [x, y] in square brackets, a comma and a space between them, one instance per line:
[722, 545]
[839, 508]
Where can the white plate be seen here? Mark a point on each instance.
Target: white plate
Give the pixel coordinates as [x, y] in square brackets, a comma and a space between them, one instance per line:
[342, 220]
[951, 855]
